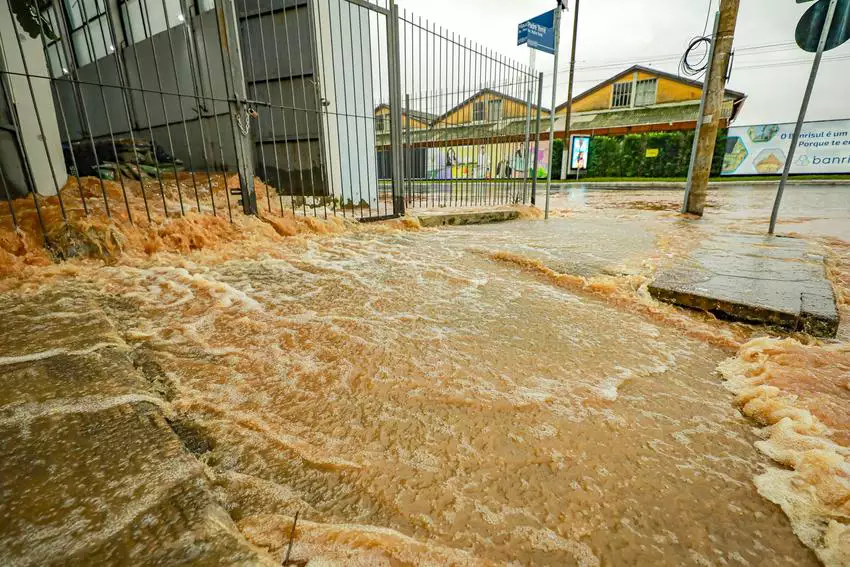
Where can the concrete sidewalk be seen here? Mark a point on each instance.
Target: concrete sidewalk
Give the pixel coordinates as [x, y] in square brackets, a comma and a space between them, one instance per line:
[757, 279]
[459, 217]
[91, 473]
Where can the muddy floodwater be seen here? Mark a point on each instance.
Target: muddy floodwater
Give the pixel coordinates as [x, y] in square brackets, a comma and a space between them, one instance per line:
[500, 394]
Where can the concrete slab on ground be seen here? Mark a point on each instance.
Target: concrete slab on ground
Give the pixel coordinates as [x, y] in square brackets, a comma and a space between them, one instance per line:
[456, 218]
[757, 279]
[91, 473]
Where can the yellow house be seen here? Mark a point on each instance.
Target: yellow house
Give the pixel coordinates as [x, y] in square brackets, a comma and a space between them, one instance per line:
[418, 120]
[641, 99]
[486, 106]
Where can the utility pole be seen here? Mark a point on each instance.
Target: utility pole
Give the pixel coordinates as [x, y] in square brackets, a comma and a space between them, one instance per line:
[709, 121]
[554, 101]
[567, 140]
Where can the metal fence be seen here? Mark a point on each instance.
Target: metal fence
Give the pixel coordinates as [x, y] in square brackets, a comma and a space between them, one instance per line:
[141, 110]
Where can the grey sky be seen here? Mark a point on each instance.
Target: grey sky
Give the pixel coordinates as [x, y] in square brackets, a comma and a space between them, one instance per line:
[614, 34]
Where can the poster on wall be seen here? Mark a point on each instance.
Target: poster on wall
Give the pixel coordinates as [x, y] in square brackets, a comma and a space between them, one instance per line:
[824, 147]
[579, 146]
[485, 161]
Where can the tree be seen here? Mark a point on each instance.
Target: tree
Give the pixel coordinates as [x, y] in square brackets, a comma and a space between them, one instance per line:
[28, 14]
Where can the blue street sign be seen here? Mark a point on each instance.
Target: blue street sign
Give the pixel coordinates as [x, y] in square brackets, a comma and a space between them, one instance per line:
[539, 33]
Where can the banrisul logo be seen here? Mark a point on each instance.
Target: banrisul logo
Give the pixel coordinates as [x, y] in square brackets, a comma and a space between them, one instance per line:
[811, 25]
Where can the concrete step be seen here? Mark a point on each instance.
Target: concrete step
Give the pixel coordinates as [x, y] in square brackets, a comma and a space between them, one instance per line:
[91, 473]
[756, 279]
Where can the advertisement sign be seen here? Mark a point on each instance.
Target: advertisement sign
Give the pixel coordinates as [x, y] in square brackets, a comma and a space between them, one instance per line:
[579, 146]
[824, 147]
[485, 161]
[539, 33]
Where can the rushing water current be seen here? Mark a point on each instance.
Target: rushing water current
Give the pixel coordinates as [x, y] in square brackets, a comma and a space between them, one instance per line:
[459, 396]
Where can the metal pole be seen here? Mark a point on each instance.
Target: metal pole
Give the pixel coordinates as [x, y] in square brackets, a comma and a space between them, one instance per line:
[238, 108]
[803, 109]
[530, 99]
[569, 114]
[700, 119]
[554, 103]
[537, 138]
[395, 110]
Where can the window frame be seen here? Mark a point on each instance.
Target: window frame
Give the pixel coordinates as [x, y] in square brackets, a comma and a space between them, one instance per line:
[644, 82]
[622, 97]
[52, 15]
[479, 111]
[86, 21]
[497, 103]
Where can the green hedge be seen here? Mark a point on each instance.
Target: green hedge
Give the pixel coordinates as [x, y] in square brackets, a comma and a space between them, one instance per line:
[625, 156]
[557, 158]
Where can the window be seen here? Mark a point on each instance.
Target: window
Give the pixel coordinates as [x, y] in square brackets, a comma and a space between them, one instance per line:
[90, 34]
[146, 18]
[381, 124]
[622, 95]
[478, 110]
[494, 110]
[57, 65]
[645, 92]
[89, 25]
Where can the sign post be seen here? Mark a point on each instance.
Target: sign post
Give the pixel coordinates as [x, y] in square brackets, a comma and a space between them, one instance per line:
[543, 33]
[833, 32]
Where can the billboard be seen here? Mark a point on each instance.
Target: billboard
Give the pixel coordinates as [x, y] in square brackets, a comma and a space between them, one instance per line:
[485, 161]
[824, 147]
[579, 146]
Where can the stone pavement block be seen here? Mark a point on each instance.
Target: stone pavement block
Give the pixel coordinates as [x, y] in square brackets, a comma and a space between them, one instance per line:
[451, 218]
[46, 323]
[65, 378]
[90, 471]
[108, 487]
[757, 279]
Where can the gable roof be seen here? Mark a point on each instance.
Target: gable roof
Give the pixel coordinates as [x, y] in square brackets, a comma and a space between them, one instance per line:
[483, 92]
[661, 74]
[419, 115]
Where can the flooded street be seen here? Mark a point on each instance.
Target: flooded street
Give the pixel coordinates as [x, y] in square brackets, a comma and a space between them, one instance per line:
[495, 394]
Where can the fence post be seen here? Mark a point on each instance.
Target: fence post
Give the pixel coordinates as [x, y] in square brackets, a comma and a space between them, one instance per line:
[537, 139]
[530, 103]
[395, 109]
[408, 165]
[240, 111]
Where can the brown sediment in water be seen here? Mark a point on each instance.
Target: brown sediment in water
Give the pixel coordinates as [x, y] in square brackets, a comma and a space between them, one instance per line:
[94, 234]
[423, 405]
[800, 394]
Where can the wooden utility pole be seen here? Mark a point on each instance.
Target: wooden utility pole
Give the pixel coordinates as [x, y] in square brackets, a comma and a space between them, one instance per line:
[567, 149]
[709, 122]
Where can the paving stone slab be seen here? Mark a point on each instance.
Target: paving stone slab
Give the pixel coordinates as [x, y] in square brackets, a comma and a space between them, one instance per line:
[756, 279]
[435, 219]
[91, 473]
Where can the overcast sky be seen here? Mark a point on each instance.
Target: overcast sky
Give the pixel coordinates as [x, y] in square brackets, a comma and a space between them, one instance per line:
[615, 34]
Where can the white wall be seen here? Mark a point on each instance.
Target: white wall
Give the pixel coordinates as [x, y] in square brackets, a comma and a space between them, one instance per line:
[33, 100]
[347, 64]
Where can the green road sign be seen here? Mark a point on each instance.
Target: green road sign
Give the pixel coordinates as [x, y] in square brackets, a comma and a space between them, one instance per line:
[811, 25]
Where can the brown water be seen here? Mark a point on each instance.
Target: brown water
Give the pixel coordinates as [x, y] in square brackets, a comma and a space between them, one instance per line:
[504, 394]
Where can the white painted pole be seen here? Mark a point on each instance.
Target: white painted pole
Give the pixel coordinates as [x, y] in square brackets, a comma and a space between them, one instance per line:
[554, 103]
